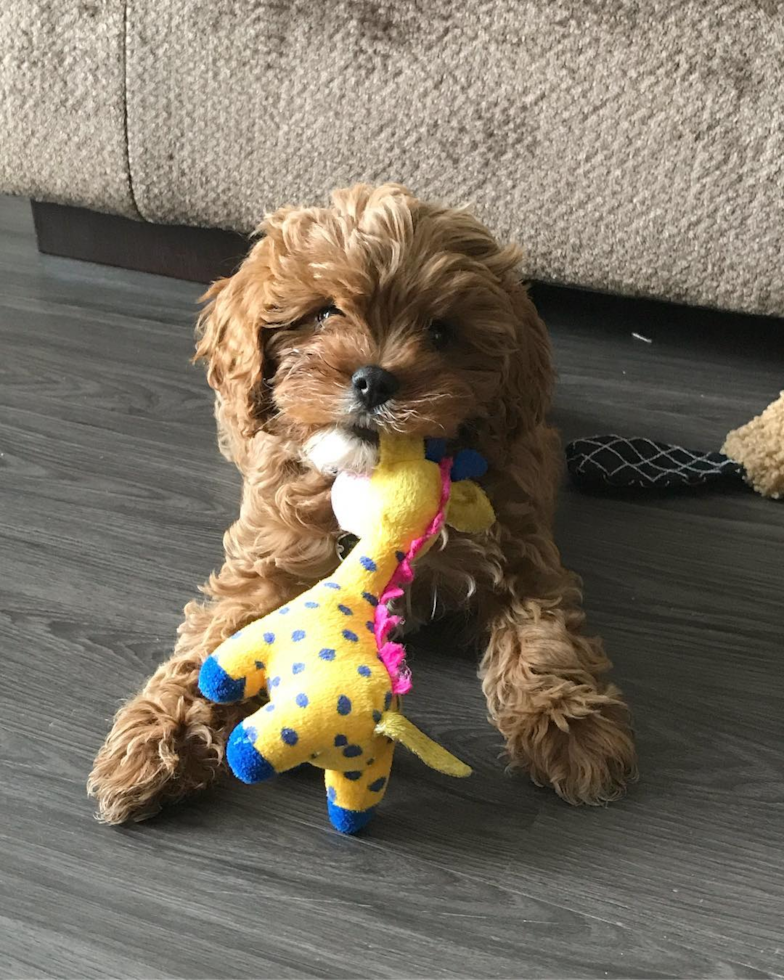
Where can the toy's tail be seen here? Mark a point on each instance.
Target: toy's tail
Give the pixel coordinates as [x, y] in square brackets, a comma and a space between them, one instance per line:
[400, 729]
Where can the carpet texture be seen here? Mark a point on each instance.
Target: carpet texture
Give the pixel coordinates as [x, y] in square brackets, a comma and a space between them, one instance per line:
[634, 146]
[62, 103]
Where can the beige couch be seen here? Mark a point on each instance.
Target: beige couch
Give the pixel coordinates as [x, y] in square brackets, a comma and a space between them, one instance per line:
[635, 146]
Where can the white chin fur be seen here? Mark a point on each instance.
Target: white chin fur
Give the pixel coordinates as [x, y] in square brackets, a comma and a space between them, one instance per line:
[336, 450]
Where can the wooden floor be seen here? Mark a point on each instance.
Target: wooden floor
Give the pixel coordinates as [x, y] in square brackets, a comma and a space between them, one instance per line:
[113, 499]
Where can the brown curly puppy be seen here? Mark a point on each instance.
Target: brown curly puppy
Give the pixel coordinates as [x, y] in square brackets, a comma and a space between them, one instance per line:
[430, 306]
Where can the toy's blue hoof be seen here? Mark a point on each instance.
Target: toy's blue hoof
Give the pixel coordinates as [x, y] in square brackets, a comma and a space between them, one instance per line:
[244, 760]
[217, 685]
[348, 821]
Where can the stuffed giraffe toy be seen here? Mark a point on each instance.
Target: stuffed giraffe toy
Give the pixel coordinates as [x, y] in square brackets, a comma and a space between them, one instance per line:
[333, 675]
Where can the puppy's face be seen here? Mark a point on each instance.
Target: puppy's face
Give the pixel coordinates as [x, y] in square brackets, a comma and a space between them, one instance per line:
[379, 313]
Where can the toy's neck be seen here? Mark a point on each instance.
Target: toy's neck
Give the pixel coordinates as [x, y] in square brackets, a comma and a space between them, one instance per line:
[374, 559]
[381, 552]
[390, 652]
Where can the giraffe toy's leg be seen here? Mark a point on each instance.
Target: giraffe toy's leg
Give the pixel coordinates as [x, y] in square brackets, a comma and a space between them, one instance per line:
[237, 669]
[268, 742]
[353, 796]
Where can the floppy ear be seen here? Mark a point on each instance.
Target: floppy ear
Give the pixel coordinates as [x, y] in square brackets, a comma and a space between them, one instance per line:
[526, 390]
[229, 341]
[527, 379]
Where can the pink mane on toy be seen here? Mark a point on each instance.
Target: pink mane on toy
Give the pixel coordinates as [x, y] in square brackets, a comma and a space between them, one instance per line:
[393, 654]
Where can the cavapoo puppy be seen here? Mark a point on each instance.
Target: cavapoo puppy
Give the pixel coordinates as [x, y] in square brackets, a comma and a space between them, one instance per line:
[382, 312]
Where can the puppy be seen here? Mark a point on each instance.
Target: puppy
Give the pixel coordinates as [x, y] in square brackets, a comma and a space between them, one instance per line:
[382, 313]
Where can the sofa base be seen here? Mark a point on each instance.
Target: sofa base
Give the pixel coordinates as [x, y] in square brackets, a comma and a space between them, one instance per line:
[198, 254]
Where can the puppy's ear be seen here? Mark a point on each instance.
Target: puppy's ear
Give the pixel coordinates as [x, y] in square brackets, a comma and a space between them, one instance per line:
[526, 391]
[527, 376]
[229, 341]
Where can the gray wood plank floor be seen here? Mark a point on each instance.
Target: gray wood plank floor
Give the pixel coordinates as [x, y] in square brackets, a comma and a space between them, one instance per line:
[113, 499]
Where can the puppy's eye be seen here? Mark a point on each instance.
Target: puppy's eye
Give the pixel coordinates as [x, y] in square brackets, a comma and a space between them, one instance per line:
[439, 333]
[327, 312]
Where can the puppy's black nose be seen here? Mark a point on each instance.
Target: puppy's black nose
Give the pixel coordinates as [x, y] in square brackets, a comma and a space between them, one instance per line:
[373, 385]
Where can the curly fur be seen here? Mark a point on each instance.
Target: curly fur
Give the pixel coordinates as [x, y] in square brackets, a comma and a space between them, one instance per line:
[391, 265]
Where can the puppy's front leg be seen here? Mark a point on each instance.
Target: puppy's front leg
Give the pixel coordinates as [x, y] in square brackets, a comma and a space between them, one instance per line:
[167, 741]
[542, 678]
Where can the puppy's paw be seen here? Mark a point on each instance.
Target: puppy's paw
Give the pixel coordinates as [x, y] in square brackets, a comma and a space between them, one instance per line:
[159, 750]
[580, 742]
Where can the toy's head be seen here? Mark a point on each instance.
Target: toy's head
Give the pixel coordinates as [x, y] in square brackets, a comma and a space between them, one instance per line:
[402, 494]
[408, 487]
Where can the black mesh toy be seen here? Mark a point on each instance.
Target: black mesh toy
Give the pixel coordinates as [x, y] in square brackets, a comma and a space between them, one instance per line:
[754, 453]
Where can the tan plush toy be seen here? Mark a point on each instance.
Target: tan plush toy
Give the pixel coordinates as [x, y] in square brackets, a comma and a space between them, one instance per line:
[754, 453]
[759, 447]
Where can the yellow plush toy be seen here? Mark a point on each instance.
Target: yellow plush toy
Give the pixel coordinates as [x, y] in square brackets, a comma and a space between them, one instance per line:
[332, 674]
